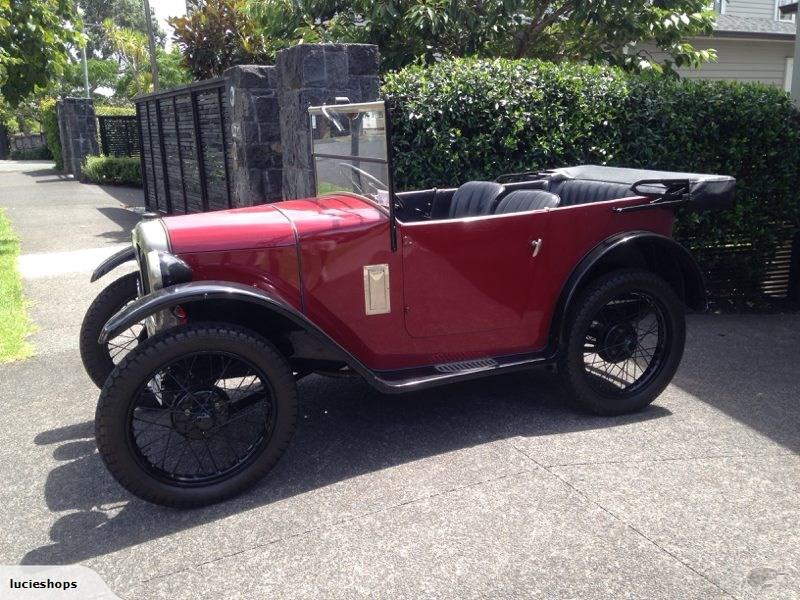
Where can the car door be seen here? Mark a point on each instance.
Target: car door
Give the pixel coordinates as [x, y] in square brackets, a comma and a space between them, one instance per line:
[474, 274]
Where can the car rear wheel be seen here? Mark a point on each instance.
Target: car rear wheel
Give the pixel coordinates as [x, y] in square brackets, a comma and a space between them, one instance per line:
[196, 415]
[623, 343]
[99, 359]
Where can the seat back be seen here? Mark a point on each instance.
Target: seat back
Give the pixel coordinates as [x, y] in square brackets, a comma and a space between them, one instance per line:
[526, 200]
[581, 191]
[475, 198]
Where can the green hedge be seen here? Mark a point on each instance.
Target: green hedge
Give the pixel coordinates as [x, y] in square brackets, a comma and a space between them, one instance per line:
[113, 170]
[41, 153]
[49, 120]
[475, 119]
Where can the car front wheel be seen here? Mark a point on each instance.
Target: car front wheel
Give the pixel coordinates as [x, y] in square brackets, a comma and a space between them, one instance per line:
[623, 343]
[196, 415]
[99, 359]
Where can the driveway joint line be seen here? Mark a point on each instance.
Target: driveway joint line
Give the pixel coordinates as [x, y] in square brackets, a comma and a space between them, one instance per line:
[776, 452]
[619, 519]
[332, 525]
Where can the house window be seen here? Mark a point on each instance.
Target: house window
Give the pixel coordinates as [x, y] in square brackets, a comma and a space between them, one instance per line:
[719, 6]
[787, 77]
[779, 16]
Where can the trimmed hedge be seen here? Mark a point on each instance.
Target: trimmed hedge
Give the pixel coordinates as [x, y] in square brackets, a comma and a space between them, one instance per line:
[49, 120]
[475, 119]
[113, 170]
[41, 153]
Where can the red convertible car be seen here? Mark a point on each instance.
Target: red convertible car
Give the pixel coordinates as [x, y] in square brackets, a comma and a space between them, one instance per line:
[199, 350]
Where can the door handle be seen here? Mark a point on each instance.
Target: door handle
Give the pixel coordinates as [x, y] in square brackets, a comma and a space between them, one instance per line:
[536, 245]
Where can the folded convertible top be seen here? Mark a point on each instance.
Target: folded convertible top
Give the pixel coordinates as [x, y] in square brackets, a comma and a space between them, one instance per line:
[706, 192]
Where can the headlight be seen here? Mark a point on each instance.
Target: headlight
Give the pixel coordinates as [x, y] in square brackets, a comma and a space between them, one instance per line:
[164, 269]
[158, 267]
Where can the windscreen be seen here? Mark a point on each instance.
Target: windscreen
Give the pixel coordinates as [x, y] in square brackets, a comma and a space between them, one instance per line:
[349, 147]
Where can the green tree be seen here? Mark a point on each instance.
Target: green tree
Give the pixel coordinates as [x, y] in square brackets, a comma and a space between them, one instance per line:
[35, 37]
[134, 76]
[128, 14]
[171, 70]
[130, 47]
[595, 31]
[216, 35]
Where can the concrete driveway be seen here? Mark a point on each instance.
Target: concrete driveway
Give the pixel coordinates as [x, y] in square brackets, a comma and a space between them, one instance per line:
[488, 489]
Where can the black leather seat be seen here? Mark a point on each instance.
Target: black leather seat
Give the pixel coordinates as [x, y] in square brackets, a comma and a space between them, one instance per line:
[475, 198]
[582, 191]
[526, 200]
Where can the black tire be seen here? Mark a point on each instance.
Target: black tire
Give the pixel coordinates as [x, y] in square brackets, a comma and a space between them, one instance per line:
[604, 343]
[123, 450]
[99, 359]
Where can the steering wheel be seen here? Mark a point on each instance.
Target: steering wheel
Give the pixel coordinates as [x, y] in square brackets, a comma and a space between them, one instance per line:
[376, 184]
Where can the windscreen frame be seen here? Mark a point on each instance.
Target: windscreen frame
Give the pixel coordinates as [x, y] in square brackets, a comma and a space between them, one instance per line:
[325, 110]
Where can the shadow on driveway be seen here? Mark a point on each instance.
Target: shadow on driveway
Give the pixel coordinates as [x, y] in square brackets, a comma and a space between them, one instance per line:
[746, 366]
[345, 430]
[54, 174]
[125, 219]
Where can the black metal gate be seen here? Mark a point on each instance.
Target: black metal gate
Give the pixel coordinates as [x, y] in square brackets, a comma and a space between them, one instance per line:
[186, 152]
[118, 136]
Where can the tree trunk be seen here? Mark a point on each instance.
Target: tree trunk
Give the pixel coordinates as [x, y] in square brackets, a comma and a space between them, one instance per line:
[4, 150]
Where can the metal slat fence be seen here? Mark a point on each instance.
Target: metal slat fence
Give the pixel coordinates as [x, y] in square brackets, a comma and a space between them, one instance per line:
[186, 156]
[737, 275]
[118, 135]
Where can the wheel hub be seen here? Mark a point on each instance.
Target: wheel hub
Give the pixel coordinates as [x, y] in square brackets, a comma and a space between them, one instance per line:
[200, 410]
[618, 343]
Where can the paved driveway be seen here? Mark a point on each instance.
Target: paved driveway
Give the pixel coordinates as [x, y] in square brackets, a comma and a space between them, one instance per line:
[488, 489]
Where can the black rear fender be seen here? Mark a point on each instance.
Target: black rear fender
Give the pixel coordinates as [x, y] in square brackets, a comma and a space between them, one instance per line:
[643, 250]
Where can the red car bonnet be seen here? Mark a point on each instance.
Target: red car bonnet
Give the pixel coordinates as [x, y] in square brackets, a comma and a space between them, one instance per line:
[267, 225]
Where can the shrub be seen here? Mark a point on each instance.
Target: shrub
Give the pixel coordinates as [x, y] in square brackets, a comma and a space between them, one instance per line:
[475, 119]
[113, 170]
[41, 153]
[49, 120]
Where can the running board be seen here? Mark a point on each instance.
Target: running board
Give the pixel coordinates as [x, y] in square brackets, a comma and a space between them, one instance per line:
[407, 380]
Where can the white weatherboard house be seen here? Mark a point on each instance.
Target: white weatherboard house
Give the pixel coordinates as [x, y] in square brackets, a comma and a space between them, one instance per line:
[754, 41]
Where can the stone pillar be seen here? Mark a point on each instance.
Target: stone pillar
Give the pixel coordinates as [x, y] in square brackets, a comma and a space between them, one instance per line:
[255, 134]
[312, 74]
[77, 126]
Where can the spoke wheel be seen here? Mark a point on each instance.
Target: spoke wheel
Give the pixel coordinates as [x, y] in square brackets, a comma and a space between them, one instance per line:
[196, 414]
[126, 341]
[201, 418]
[100, 359]
[623, 342]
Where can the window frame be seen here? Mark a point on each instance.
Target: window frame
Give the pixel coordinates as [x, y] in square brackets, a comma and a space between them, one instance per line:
[779, 16]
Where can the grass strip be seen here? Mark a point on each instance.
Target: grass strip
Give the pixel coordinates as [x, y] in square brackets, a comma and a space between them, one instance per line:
[14, 324]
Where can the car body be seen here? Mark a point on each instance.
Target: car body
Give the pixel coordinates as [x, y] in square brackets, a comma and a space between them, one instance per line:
[418, 288]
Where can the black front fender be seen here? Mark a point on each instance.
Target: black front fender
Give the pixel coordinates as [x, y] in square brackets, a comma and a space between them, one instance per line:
[172, 296]
[112, 262]
[200, 291]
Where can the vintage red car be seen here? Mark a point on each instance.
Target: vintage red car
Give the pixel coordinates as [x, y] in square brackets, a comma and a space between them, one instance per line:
[198, 352]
